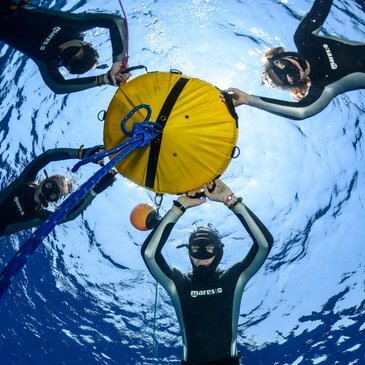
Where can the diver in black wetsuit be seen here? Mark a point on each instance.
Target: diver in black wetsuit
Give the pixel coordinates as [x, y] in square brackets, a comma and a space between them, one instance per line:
[23, 202]
[323, 68]
[53, 39]
[207, 301]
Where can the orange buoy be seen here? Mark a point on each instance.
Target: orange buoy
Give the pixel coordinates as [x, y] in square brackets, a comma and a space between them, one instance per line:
[144, 217]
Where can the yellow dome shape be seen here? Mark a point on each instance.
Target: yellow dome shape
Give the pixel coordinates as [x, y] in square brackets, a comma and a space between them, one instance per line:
[198, 138]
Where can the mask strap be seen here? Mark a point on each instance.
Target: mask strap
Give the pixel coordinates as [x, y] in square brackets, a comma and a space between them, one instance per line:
[182, 245]
[43, 200]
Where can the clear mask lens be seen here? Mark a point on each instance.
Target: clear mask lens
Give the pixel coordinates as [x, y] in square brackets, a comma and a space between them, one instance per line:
[50, 190]
[202, 252]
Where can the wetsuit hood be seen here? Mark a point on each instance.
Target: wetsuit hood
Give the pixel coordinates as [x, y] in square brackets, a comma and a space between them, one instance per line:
[67, 54]
[198, 242]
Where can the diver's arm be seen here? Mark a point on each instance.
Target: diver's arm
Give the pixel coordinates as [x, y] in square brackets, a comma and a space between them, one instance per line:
[303, 109]
[261, 237]
[57, 154]
[82, 22]
[116, 25]
[316, 100]
[106, 181]
[31, 223]
[36, 222]
[312, 22]
[79, 208]
[152, 247]
[220, 192]
[44, 214]
[53, 78]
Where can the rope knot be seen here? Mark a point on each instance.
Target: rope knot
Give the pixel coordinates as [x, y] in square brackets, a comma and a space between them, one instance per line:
[146, 130]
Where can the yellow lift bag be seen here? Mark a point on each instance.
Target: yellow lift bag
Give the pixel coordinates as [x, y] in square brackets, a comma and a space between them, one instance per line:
[198, 138]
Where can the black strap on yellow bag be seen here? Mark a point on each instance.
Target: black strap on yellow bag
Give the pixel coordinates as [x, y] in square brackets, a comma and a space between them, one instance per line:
[162, 120]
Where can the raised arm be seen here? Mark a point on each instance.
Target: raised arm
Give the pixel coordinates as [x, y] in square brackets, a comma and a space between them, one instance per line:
[77, 23]
[107, 181]
[153, 245]
[57, 154]
[317, 100]
[312, 22]
[30, 172]
[53, 78]
[261, 237]
[44, 214]
[117, 28]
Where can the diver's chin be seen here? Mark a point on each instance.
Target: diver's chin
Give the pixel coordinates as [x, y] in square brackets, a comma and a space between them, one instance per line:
[203, 271]
[202, 264]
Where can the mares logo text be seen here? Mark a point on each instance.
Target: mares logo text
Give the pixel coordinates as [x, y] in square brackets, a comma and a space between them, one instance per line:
[55, 30]
[198, 293]
[17, 202]
[330, 56]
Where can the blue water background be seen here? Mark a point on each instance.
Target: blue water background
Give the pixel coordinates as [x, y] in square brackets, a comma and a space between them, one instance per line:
[85, 296]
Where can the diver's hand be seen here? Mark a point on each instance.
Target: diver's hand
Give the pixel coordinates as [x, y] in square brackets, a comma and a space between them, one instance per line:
[238, 96]
[187, 202]
[104, 183]
[122, 78]
[110, 78]
[88, 152]
[220, 193]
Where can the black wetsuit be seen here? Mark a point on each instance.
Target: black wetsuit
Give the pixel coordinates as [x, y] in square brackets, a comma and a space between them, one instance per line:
[208, 307]
[19, 210]
[336, 66]
[39, 32]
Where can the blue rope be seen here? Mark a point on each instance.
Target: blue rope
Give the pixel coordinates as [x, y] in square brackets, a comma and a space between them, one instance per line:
[129, 115]
[92, 149]
[142, 134]
[141, 129]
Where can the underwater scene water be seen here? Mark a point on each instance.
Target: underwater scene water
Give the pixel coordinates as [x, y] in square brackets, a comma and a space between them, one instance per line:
[85, 296]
